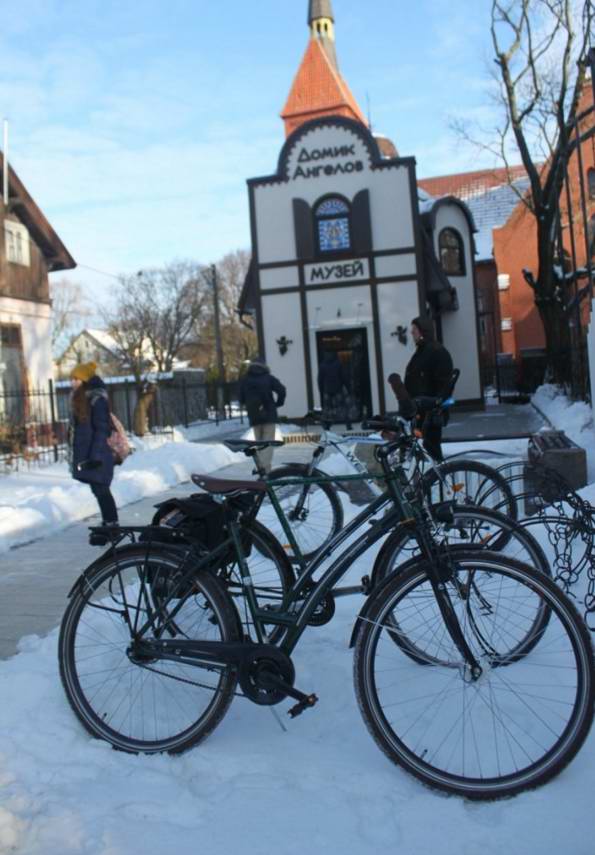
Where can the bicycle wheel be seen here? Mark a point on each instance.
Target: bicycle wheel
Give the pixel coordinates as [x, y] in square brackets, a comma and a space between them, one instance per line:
[471, 483]
[136, 704]
[473, 526]
[270, 569]
[314, 511]
[512, 729]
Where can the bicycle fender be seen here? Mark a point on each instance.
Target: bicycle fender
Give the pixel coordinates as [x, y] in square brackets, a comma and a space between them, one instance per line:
[122, 550]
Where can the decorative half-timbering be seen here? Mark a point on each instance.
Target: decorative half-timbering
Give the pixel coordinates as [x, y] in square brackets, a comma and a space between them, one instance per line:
[343, 259]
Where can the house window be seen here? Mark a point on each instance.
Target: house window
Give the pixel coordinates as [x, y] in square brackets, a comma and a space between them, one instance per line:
[591, 183]
[16, 240]
[452, 253]
[333, 225]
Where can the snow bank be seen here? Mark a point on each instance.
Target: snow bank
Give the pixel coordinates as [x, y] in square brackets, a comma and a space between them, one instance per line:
[36, 502]
[575, 418]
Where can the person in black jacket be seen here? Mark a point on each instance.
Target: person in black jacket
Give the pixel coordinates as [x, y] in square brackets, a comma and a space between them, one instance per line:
[429, 375]
[261, 394]
[91, 458]
[334, 390]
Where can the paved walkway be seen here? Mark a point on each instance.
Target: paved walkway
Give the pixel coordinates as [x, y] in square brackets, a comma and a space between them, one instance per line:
[35, 578]
[497, 421]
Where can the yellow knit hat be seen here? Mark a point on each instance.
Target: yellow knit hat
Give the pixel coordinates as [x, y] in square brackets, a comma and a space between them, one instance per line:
[84, 371]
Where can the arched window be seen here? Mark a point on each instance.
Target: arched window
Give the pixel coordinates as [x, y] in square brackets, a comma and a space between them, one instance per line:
[452, 252]
[333, 225]
[591, 183]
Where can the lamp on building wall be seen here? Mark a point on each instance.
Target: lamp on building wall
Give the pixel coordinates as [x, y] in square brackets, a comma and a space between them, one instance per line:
[283, 344]
[401, 334]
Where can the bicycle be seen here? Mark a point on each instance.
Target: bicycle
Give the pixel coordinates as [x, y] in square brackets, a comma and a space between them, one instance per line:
[506, 704]
[315, 507]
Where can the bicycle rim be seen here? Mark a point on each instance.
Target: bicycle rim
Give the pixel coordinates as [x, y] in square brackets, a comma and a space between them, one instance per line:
[514, 728]
[143, 705]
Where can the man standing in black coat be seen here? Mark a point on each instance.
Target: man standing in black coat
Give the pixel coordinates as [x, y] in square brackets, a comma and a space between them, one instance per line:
[429, 375]
[261, 394]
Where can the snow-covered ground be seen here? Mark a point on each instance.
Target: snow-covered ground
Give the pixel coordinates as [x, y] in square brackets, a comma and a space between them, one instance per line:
[251, 788]
[40, 500]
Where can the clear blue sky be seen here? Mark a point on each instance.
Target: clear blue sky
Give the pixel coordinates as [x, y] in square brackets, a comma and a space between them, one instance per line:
[134, 125]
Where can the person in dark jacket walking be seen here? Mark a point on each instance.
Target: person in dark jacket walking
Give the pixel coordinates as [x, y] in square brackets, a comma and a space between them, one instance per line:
[429, 375]
[261, 393]
[92, 460]
[334, 390]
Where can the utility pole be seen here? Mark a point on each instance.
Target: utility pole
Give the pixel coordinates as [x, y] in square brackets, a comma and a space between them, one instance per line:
[218, 343]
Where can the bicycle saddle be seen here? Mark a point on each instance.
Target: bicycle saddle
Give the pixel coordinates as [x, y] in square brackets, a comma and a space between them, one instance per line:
[226, 486]
[251, 445]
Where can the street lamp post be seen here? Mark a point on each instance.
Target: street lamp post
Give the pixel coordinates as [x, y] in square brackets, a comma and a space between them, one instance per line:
[218, 343]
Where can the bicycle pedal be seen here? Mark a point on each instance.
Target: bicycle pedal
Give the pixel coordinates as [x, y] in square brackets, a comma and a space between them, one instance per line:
[298, 709]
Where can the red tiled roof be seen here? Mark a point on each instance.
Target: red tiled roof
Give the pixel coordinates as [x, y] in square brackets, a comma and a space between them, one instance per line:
[469, 184]
[318, 90]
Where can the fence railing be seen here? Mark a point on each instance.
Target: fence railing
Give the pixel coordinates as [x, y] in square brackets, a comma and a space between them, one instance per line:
[34, 424]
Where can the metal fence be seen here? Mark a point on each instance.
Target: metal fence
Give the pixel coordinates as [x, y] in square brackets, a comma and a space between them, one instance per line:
[34, 424]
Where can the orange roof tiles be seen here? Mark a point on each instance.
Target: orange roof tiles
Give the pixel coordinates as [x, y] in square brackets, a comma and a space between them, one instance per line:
[318, 90]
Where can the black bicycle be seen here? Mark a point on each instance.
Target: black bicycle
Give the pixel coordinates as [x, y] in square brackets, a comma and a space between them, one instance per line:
[472, 671]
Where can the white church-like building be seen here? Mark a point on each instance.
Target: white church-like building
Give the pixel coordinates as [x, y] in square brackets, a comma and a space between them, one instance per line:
[347, 250]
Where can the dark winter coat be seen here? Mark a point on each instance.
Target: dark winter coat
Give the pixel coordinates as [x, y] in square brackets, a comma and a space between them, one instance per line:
[89, 438]
[261, 394]
[429, 371]
[331, 377]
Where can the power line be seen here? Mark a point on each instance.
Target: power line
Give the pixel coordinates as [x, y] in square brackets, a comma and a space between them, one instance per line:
[95, 270]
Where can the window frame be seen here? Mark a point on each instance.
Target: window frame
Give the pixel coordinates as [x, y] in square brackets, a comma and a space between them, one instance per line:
[344, 252]
[16, 243]
[461, 248]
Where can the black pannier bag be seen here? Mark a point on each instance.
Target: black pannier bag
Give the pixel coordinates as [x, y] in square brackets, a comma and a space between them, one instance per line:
[199, 516]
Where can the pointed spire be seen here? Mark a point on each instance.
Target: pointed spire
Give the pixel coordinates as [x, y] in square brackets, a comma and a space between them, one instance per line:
[320, 9]
[322, 27]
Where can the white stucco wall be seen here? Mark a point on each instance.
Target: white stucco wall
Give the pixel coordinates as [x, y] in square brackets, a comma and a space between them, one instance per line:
[397, 306]
[281, 315]
[35, 320]
[459, 329]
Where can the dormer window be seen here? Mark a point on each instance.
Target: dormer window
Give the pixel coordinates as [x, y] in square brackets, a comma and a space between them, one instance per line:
[16, 242]
[452, 253]
[332, 216]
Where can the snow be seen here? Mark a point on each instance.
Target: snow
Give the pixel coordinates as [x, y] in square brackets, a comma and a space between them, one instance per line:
[321, 785]
[575, 418]
[35, 502]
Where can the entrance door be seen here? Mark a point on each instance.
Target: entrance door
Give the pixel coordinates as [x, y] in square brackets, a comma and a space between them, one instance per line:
[351, 347]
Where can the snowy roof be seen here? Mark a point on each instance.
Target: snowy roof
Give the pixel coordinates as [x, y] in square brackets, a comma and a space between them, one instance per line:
[489, 195]
[491, 210]
[104, 339]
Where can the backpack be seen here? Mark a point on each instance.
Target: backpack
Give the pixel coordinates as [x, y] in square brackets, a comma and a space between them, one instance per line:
[118, 441]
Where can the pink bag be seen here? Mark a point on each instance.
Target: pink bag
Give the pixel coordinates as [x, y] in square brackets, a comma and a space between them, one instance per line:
[118, 441]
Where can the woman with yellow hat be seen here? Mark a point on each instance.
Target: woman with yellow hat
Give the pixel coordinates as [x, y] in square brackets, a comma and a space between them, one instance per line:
[92, 460]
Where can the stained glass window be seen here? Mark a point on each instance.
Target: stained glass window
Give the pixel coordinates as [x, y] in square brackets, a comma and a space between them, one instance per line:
[452, 256]
[331, 207]
[333, 225]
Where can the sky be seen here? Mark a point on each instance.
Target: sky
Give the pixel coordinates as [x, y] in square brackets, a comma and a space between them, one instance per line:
[134, 125]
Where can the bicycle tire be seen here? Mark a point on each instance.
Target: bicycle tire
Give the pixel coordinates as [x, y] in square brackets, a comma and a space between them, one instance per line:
[446, 729]
[322, 518]
[113, 695]
[471, 483]
[482, 528]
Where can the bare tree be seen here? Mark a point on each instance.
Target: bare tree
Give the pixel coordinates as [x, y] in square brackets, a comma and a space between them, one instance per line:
[155, 313]
[69, 311]
[238, 341]
[541, 53]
